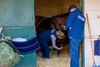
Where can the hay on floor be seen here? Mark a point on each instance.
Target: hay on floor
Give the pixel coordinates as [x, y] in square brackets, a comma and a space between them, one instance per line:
[62, 61]
[56, 61]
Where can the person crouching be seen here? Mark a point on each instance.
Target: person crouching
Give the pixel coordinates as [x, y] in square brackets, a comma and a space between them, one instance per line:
[49, 35]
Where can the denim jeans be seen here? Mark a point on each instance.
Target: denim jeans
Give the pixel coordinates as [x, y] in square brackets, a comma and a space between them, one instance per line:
[74, 52]
[45, 48]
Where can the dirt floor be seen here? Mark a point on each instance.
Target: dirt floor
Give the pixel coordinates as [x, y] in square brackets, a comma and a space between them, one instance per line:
[55, 61]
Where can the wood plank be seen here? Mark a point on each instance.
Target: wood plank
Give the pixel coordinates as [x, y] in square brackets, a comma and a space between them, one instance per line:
[92, 6]
[93, 14]
[94, 26]
[92, 1]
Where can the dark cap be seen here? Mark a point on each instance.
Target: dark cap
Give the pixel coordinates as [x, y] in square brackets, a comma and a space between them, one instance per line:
[72, 6]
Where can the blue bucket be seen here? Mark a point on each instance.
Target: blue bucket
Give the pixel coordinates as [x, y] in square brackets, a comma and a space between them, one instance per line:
[97, 47]
[99, 66]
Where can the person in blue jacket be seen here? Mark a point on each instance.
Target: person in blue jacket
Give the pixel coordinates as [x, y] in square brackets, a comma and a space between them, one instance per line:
[75, 26]
[49, 35]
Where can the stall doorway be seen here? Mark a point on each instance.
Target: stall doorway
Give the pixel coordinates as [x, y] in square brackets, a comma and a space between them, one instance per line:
[45, 11]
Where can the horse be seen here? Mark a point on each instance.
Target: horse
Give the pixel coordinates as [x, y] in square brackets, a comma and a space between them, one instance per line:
[60, 20]
[43, 24]
[55, 22]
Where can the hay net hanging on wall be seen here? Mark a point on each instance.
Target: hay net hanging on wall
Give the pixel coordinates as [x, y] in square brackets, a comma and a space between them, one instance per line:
[8, 53]
[8, 58]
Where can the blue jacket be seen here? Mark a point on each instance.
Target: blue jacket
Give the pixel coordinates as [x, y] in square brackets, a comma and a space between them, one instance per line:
[46, 35]
[75, 24]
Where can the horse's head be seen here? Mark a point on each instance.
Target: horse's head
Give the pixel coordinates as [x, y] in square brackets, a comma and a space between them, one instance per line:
[59, 21]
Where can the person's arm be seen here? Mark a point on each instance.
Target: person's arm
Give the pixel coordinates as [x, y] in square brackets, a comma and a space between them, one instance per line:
[54, 42]
[69, 20]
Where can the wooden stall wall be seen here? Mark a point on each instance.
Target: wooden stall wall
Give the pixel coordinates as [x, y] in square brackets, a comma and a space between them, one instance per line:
[17, 18]
[93, 10]
[53, 7]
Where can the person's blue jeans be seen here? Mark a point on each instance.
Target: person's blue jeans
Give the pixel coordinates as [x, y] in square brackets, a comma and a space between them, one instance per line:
[45, 48]
[74, 52]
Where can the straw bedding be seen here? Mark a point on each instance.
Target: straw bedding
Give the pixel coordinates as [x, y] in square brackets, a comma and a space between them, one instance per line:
[55, 61]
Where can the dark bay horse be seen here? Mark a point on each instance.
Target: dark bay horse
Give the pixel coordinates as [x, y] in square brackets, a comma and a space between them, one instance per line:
[59, 20]
[56, 22]
[44, 23]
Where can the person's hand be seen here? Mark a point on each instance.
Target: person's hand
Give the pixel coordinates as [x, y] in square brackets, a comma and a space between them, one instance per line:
[60, 48]
[63, 27]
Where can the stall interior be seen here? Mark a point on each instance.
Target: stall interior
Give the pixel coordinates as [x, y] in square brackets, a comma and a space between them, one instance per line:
[53, 14]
